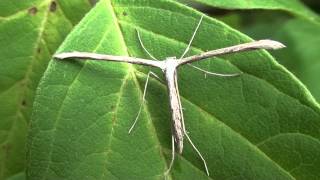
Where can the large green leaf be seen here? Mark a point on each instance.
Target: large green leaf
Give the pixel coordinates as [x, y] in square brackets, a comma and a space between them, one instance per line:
[295, 7]
[30, 32]
[261, 125]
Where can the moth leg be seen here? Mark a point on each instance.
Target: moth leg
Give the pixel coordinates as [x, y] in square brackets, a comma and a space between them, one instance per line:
[172, 158]
[198, 152]
[186, 133]
[214, 74]
[143, 99]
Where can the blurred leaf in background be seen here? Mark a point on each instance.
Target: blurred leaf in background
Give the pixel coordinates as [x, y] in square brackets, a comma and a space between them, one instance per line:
[295, 7]
[30, 33]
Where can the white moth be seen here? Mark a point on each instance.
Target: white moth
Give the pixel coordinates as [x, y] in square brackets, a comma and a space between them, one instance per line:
[169, 67]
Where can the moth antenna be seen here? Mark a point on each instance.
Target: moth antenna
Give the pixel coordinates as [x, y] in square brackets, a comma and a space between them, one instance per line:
[193, 35]
[143, 47]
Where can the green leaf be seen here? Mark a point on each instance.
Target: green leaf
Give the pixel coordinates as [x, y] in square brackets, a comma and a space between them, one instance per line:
[261, 125]
[30, 32]
[295, 7]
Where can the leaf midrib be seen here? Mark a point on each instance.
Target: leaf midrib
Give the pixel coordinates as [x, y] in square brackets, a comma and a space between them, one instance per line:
[132, 67]
[69, 88]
